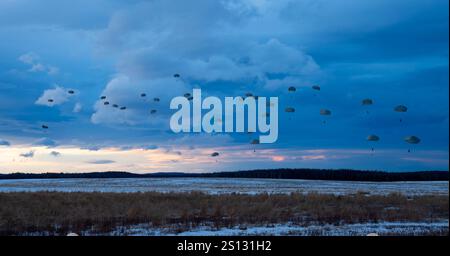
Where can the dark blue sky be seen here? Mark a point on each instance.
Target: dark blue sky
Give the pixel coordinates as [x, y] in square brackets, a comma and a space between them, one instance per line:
[394, 52]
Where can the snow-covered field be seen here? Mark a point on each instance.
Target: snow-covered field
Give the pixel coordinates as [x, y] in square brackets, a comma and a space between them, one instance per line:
[382, 228]
[224, 185]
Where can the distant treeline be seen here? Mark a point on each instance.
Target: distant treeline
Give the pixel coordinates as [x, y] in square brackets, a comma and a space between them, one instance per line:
[349, 175]
[306, 174]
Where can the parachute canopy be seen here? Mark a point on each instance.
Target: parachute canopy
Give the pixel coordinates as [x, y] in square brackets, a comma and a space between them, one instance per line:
[176, 75]
[316, 87]
[50, 100]
[373, 138]
[254, 142]
[248, 94]
[214, 154]
[143, 95]
[44, 126]
[412, 140]
[292, 89]
[115, 106]
[289, 110]
[153, 111]
[103, 97]
[325, 112]
[156, 99]
[71, 91]
[123, 108]
[400, 108]
[366, 102]
[106, 103]
[187, 95]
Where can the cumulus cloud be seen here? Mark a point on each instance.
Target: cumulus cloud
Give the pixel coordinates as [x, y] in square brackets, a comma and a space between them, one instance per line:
[29, 58]
[276, 57]
[77, 107]
[246, 62]
[101, 161]
[207, 57]
[251, 61]
[197, 49]
[4, 143]
[53, 97]
[33, 60]
[167, 22]
[125, 92]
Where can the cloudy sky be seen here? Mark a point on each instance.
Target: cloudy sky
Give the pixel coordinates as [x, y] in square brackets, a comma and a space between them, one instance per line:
[394, 52]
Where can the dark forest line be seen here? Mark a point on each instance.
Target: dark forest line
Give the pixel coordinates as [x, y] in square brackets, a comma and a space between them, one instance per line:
[307, 174]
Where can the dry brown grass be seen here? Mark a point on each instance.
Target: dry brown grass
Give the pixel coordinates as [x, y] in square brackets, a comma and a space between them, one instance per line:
[58, 212]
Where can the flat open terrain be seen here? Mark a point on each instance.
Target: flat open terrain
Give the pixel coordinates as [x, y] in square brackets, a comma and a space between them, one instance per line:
[195, 213]
[224, 185]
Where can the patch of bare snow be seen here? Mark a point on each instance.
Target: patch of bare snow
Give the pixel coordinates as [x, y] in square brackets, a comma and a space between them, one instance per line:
[289, 229]
[225, 186]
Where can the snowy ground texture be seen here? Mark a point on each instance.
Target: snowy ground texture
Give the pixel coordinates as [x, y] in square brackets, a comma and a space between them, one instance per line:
[289, 229]
[224, 185]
